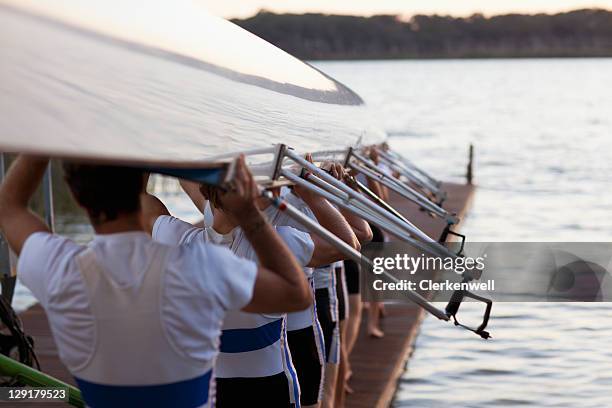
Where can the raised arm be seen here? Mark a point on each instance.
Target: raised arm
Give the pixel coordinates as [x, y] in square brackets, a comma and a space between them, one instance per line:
[360, 227]
[280, 285]
[192, 189]
[377, 188]
[16, 220]
[151, 208]
[331, 219]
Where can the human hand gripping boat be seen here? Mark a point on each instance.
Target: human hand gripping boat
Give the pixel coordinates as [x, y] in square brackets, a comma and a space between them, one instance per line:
[166, 87]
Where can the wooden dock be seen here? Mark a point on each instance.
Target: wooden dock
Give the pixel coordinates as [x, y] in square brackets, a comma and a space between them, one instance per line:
[376, 363]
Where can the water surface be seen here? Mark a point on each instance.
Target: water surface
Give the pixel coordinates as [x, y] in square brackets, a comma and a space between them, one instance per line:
[541, 131]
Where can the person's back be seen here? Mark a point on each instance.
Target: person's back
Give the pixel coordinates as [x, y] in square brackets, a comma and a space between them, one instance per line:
[128, 310]
[137, 322]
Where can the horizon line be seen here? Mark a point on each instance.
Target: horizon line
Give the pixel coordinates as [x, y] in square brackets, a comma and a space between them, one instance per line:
[407, 15]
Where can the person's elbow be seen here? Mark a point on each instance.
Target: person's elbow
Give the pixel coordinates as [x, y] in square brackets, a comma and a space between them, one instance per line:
[350, 238]
[326, 253]
[301, 300]
[307, 299]
[298, 294]
[354, 242]
[364, 235]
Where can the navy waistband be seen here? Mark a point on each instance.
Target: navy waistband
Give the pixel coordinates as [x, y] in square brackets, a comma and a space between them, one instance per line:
[243, 340]
[183, 394]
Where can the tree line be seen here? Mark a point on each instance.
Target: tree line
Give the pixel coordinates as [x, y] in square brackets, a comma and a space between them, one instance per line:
[579, 33]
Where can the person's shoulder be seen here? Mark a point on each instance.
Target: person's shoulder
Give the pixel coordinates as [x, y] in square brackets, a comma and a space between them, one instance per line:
[174, 231]
[209, 250]
[199, 253]
[45, 244]
[43, 257]
[289, 232]
[207, 269]
[167, 221]
[300, 243]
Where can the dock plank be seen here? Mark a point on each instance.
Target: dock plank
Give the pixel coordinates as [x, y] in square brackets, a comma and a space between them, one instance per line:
[377, 363]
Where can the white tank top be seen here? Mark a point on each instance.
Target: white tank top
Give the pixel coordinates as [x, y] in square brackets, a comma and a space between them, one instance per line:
[252, 344]
[307, 317]
[133, 362]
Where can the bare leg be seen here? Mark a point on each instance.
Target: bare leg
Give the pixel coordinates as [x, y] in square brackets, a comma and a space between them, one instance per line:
[374, 320]
[352, 328]
[342, 368]
[329, 387]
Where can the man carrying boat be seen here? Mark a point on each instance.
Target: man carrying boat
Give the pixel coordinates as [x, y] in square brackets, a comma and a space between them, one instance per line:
[135, 321]
[375, 309]
[299, 322]
[247, 365]
[326, 299]
[254, 366]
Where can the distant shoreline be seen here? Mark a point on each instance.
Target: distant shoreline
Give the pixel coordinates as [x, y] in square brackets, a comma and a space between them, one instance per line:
[583, 33]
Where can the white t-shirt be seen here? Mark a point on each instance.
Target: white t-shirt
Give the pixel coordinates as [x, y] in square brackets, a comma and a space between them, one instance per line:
[321, 275]
[268, 360]
[202, 282]
[278, 218]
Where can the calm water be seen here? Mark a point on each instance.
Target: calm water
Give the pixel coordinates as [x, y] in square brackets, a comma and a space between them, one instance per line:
[541, 130]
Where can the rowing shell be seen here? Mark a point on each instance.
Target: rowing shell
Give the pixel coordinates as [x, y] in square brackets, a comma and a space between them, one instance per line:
[160, 83]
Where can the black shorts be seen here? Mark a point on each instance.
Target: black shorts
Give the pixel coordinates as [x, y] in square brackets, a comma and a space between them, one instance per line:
[340, 294]
[351, 273]
[325, 318]
[307, 363]
[272, 391]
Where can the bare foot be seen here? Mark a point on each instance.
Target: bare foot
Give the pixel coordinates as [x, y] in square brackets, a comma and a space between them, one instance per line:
[375, 332]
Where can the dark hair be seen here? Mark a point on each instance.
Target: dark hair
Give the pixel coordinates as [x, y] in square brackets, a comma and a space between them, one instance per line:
[105, 191]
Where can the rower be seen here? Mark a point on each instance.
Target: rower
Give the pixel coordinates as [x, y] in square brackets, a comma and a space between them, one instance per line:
[137, 322]
[247, 367]
[327, 301]
[305, 336]
[244, 370]
[376, 308]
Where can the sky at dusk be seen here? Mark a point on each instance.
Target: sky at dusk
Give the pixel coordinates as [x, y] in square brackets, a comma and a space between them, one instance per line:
[245, 8]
